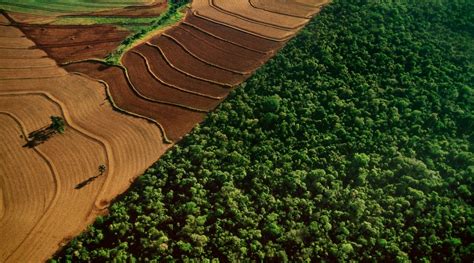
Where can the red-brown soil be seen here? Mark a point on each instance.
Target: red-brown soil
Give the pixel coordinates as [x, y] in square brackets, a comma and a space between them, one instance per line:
[244, 10]
[80, 52]
[232, 35]
[204, 9]
[290, 8]
[176, 121]
[171, 76]
[163, 89]
[181, 59]
[154, 89]
[223, 44]
[68, 43]
[228, 59]
[40, 208]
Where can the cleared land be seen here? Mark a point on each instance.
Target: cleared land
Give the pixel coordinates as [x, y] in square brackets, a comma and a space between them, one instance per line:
[203, 9]
[291, 8]
[244, 10]
[153, 88]
[184, 61]
[69, 43]
[232, 35]
[162, 88]
[165, 72]
[176, 121]
[38, 184]
[227, 59]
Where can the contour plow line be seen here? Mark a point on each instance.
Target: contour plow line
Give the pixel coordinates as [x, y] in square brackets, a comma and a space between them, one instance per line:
[48, 162]
[188, 29]
[67, 117]
[119, 109]
[288, 36]
[226, 40]
[55, 176]
[139, 94]
[257, 5]
[203, 60]
[171, 85]
[228, 85]
[218, 5]
[76, 44]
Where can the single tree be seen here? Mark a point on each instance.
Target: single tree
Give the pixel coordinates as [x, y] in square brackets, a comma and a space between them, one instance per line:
[57, 124]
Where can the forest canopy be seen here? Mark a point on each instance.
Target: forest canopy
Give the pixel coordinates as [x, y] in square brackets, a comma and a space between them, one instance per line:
[355, 142]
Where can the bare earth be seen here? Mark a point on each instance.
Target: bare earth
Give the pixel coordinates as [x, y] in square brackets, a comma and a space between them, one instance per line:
[124, 117]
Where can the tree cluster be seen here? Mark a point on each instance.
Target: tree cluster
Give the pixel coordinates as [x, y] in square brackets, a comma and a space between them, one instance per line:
[354, 143]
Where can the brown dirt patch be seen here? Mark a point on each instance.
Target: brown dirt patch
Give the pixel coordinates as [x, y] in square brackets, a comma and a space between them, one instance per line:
[176, 121]
[152, 88]
[203, 9]
[36, 220]
[168, 74]
[182, 60]
[67, 43]
[211, 53]
[291, 8]
[243, 9]
[135, 11]
[232, 35]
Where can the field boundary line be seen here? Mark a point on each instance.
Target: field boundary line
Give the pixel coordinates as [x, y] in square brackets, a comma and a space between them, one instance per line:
[228, 41]
[227, 85]
[203, 60]
[140, 95]
[54, 173]
[196, 13]
[171, 85]
[117, 108]
[280, 13]
[284, 28]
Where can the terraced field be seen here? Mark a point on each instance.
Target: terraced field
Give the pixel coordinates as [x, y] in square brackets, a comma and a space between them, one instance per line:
[41, 208]
[160, 90]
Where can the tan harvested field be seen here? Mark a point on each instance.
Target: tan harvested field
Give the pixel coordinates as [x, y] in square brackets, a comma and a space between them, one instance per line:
[287, 7]
[203, 9]
[244, 10]
[124, 116]
[232, 35]
[176, 121]
[41, 208]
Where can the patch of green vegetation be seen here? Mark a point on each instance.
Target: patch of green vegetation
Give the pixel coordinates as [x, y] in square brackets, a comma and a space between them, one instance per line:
[42, 7]
[354, 143]
[173, 14]
[133, 23]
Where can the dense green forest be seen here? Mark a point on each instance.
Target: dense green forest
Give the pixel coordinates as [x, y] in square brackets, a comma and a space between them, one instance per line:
[355, 142]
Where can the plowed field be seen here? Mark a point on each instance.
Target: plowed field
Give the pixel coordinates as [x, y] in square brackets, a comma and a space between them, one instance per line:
[124, 116]
[40, 206]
